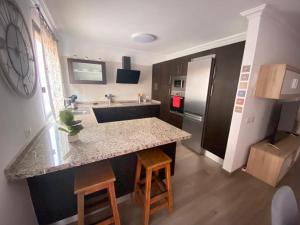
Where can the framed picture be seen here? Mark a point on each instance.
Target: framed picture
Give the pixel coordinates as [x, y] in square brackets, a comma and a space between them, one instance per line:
[83, 71]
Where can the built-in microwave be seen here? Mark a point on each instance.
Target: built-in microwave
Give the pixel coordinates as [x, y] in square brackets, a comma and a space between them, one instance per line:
[178, 83]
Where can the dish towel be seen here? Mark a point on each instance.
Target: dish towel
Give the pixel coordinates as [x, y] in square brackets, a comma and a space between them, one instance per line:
[176, 101]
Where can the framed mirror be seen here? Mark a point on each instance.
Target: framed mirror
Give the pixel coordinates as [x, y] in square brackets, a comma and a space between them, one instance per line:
[83, 71]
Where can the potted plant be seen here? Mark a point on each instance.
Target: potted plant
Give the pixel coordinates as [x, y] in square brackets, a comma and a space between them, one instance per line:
[71, 126]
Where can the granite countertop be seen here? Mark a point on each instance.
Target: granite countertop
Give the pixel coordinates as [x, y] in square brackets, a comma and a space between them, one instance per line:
[52, 152]
[104, 104]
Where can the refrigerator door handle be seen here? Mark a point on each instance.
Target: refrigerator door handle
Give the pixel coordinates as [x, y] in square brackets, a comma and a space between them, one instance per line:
[212, 90]
[192, 116]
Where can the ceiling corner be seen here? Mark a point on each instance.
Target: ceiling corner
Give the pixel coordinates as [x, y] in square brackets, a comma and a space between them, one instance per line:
[46, 13]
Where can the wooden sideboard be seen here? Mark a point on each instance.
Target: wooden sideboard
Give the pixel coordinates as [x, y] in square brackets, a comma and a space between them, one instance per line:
[270, 163]
[278, 81]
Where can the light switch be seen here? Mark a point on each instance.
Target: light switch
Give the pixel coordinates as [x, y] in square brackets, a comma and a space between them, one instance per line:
[294, 83]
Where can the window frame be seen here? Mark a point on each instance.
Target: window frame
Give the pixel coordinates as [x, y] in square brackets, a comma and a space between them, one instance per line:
[36, 29]
[72, 77]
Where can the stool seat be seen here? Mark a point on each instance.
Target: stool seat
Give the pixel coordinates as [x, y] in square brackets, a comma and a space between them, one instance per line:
[153, 158]
[90, 179]
[92, 176]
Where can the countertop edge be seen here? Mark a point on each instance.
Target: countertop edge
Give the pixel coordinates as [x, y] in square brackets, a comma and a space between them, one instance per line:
[14, 177]
[24, 149]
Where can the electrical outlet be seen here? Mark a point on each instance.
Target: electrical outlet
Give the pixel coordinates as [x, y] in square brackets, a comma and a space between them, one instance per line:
[27, 133]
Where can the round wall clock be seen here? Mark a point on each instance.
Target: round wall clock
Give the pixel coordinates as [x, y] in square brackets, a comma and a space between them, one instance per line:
[17, 61]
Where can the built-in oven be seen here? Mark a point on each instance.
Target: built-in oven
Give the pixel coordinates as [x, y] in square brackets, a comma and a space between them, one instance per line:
[177, 94]
[177, 104]
[178, 83]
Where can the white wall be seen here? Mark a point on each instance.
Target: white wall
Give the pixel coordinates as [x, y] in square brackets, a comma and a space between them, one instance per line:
[16, 115]
[77, 48]
[269, 40]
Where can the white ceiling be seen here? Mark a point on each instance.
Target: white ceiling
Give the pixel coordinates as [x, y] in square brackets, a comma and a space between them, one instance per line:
[178, 24]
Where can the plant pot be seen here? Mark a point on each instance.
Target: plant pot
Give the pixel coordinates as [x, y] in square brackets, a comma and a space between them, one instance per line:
[73, 138]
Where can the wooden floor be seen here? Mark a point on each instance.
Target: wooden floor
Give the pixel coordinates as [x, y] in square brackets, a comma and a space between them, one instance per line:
[205, 195]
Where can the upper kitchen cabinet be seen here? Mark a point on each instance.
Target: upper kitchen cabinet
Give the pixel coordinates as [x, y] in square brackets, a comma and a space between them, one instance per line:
[180, 66]
[86, 71]
[155, 81]
[278, 81]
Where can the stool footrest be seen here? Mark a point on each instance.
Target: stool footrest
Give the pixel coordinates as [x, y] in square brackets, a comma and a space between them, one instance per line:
[106, 221]
[95, 203]
[160, 184]
[159, 207]
[159, 197]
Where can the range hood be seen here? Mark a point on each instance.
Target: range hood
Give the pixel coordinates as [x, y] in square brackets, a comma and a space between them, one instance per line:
[126, 75]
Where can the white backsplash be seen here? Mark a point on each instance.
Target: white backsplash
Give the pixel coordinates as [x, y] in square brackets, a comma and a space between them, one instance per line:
[96, 92]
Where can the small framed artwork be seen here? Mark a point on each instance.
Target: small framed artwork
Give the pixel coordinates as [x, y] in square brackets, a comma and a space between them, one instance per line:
[240, 101]
[238, 109]
[246, 68]
[241, 93]
[245, 77]
[86, 71]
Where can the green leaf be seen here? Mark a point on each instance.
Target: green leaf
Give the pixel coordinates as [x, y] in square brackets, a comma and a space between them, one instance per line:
[67, 118]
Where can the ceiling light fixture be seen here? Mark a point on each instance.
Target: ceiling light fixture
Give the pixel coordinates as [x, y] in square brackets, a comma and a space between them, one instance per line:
[143, 37]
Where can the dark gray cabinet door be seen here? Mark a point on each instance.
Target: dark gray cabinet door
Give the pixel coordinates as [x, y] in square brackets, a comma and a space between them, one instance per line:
[111, 114]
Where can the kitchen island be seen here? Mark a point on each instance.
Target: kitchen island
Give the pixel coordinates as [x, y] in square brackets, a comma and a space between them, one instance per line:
[49, 163]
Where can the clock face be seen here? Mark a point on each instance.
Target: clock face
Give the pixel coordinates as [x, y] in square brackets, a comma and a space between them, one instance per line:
[17, 62]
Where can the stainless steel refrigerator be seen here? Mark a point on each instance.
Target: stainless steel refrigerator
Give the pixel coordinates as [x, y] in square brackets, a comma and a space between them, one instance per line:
[197, 85]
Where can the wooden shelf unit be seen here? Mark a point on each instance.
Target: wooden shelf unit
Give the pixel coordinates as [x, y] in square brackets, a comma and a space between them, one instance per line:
[270, 163]
[278, 81]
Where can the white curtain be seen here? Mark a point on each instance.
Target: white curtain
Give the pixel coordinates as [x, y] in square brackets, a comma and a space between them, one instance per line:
[53, 69]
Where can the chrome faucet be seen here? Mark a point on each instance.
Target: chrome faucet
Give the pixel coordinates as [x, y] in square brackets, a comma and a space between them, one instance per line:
[109, 98]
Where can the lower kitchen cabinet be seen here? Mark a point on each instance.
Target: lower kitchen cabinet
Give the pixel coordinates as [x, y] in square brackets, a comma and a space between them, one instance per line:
[111, 114]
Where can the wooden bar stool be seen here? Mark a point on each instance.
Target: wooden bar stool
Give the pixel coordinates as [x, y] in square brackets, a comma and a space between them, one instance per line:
[153, 160]
[93, 178]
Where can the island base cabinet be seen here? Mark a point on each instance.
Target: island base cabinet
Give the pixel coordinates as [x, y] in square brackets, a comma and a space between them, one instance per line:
[111, 114]
[53, 194]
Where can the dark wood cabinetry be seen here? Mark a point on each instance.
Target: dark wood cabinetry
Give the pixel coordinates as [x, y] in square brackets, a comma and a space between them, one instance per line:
[161, 87]
[220, 103]
[111, 114]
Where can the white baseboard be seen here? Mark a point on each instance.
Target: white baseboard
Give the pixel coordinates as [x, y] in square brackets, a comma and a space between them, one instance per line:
[215, 158]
